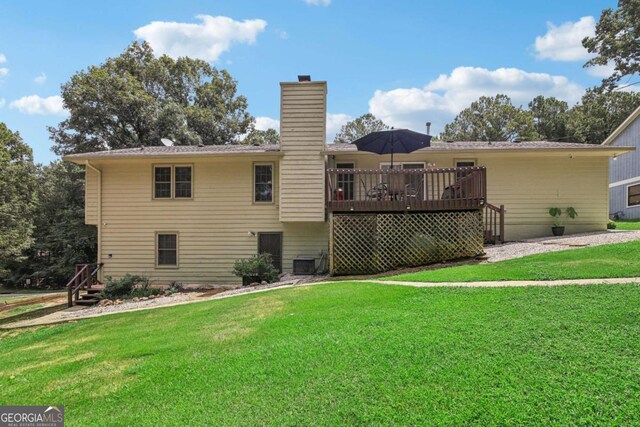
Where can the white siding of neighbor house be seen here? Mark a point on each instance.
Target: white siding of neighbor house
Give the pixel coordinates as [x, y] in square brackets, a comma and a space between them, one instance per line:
[213, 227]
[528, 184]
[302, 139]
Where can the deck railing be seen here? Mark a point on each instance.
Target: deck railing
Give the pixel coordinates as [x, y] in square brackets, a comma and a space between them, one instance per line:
[383, 190]
[86, 275]
[493, 219]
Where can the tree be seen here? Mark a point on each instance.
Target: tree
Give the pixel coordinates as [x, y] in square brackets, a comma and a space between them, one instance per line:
[617, 41]
[61, 238]
[359, 127]
[135, 99]
[17, 196]
[262, 137]
[600, 113]
[550, 117]
[491, 119]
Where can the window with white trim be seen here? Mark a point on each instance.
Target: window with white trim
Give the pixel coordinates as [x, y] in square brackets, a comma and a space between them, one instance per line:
[633, 195]
[172, 182]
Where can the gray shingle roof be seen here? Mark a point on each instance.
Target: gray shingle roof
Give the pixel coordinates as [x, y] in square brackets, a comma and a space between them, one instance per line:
[482, 145]
[193, 150]
[181, 150]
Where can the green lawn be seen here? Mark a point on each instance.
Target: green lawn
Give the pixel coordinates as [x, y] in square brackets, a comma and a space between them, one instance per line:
[21, 309]
[616, 260]
[344, 354]
[629, 224]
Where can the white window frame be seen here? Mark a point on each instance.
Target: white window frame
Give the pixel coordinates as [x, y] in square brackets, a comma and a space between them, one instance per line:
[353, 166]
[173, 180]
[626, 195]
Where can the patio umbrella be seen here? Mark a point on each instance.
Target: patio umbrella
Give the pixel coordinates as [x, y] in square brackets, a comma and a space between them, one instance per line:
[393, 141]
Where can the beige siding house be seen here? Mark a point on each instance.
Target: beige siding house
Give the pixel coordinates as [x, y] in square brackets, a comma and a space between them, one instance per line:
[187, 213]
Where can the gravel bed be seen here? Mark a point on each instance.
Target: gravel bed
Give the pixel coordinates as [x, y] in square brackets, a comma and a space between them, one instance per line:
[129, 305]
[552, 244]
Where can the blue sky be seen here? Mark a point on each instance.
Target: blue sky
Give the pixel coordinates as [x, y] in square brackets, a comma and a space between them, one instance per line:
[408, 62]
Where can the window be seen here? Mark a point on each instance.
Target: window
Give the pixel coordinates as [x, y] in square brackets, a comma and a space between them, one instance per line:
[172, 182]
[163, 182]
[464, 164]
[167, 247]
[263, 183]
[633, 195]
[345, 182]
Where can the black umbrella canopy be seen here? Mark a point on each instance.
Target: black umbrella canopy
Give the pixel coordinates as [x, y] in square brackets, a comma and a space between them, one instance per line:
[393, 141]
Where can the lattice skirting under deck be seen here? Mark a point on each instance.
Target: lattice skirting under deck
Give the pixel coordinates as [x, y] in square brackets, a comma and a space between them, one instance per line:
[372, 243]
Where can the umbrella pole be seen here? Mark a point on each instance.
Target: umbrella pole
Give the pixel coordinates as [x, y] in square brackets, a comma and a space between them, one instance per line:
[391, 157]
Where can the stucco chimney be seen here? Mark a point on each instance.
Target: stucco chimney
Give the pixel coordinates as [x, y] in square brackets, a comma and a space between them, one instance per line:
[303, 118]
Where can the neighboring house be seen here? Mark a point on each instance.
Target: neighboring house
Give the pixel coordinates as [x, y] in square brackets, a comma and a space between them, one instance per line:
[187, 213]
[624, 172]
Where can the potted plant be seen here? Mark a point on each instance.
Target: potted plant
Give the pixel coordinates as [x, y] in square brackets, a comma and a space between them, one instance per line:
[256, 269]
[556, 214]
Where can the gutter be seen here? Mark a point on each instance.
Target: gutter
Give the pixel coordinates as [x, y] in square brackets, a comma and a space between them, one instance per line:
[99, 172]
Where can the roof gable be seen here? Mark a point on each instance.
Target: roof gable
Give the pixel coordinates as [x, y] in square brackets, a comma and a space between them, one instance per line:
[624, 125]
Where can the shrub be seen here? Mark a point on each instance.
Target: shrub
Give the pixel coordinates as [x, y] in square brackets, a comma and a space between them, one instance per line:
[611, 225]
[174, 287]
[258, 267]
[123, 288]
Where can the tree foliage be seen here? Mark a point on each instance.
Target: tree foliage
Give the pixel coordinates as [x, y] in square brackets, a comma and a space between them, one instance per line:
[60, 238]
[599, 113]
[491, 119]
[550, 117]
[17, 196]
[617, 41]
[359, 127]
[135, 99]
[262, 137]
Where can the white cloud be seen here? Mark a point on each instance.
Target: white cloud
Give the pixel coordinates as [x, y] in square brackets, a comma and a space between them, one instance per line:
[40, 79]
[335, 121]
[318, 2]
[3, 70]
[264, 123]
[2, 102]
[206, 40]
[440, 100]
[34, 104]
[564, 42]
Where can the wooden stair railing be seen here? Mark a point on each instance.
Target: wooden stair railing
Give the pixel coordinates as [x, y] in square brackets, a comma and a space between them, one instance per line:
[493, 223]
[86, 275]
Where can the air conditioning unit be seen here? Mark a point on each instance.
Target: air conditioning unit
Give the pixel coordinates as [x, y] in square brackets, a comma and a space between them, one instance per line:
[304, 265]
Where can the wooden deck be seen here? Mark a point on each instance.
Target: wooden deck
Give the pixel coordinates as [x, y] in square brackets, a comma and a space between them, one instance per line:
[404, 190]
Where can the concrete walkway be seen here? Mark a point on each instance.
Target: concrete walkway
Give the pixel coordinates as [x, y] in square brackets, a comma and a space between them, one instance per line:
[75, 314]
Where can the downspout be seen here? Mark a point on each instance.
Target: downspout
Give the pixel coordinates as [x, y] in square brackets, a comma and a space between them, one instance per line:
[99, 172]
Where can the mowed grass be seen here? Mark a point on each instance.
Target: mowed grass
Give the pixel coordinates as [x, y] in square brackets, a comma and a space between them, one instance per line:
[344, 354]
[629, 224]
[597, 262]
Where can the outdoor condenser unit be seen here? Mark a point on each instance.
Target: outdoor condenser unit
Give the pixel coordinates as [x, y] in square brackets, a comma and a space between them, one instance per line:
[304, 265]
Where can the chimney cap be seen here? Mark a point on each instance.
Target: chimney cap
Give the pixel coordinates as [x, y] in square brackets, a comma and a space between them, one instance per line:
[304, 78]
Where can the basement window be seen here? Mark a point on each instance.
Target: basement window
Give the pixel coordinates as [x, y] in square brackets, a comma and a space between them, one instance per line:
[167, 250]
[172, 182]
[633, 195]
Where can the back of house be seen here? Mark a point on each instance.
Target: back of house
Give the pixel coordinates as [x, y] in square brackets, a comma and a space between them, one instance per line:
[187, 213]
